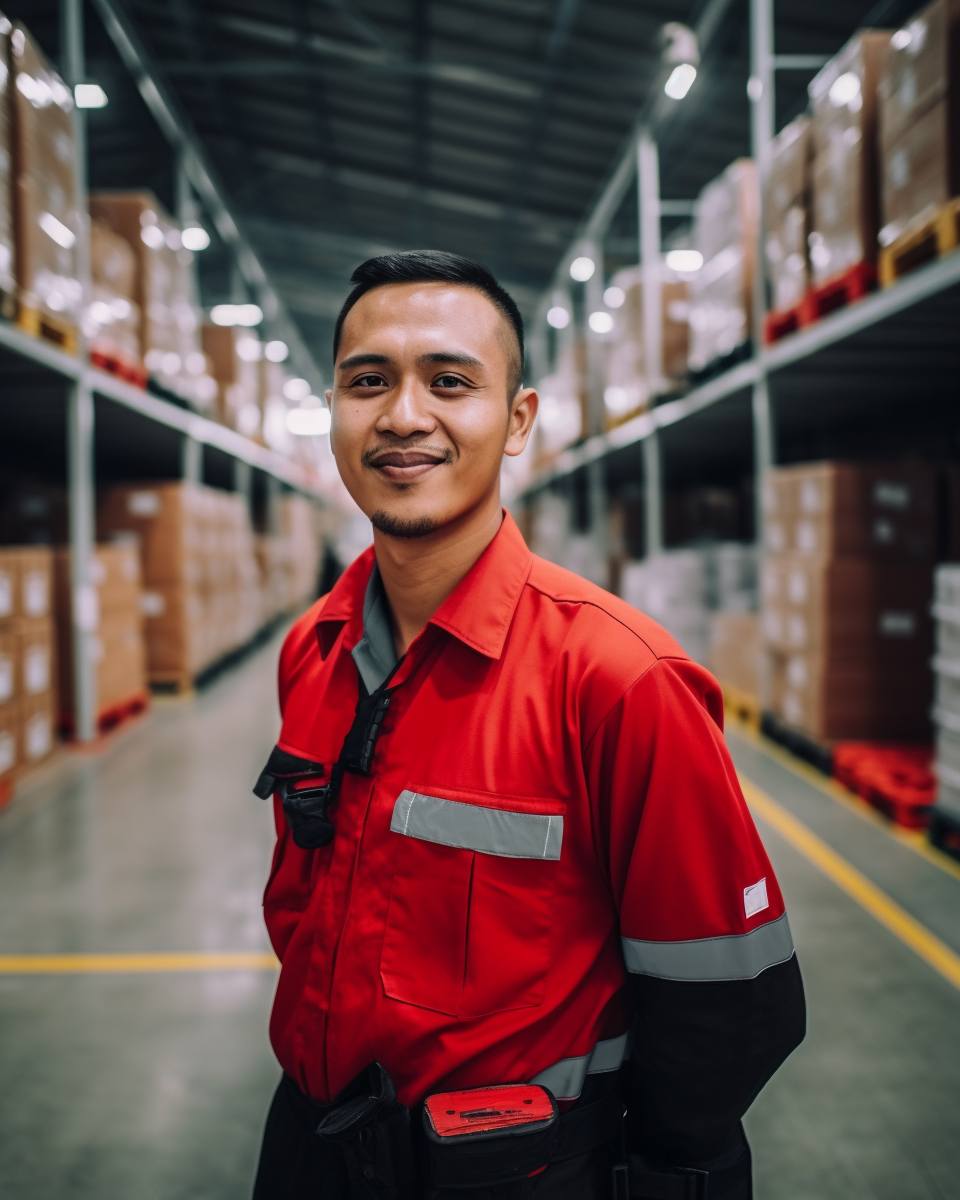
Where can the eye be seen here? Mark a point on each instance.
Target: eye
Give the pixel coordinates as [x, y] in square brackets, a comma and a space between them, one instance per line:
[448, 382]
[369, 381]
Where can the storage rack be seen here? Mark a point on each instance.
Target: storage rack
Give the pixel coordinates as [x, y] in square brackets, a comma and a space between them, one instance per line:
[881, 374]
[56, 407]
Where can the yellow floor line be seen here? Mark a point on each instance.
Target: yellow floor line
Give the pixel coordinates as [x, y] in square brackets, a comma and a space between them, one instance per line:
[113, 964]
[876, 902]
[912, 839]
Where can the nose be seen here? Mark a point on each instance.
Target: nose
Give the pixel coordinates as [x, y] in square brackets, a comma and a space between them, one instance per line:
[407, 409]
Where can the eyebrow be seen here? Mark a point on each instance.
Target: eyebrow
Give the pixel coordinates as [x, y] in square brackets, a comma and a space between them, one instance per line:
[363, 360]
[449, 359]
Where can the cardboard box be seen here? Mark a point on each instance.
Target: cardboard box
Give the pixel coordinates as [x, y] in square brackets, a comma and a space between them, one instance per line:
[37, 729]
[735, 650]
[828, 509]
[234, 356]
[786, 214]
[120, 657]
[165, 287]
[25, 583]
[839, 701]
[166, 520]
[849, 609]
[47, 223]
[7, 241]
[921, 171]
[35, 658]
[9, 744]
[177, 630]
[845, 212]
[921, 70]
[8, 668]
[115, 574]
[114, 320]
[626, 388]
[721, 291]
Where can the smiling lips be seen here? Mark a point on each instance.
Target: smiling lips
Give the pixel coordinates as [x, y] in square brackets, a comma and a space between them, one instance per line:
[404, 465]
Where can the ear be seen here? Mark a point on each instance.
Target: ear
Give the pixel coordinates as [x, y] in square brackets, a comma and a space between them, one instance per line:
[523, 411]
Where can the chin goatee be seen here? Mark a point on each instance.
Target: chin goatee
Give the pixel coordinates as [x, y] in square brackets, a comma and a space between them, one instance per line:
[398, 528]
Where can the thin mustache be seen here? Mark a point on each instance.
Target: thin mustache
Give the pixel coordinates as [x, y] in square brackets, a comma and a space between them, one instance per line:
[370, 456]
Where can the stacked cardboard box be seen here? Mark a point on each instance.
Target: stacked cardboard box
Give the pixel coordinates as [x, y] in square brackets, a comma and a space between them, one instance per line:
[562, 417]
[626, 386]
[47, 223]
[920, 118]
[734, 655]
[113, 319]
[786, 214]
[946, 711]
[201, 585]
[27, 661]
[234, 355]
[119, 645]
[672, 587]
[721, 291]
[164, 290]
[846, 587]
[289, 559]
[7, 241]
[843, 96]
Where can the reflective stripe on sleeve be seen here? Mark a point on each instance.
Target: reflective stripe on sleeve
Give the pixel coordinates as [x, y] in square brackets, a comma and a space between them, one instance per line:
[565, 1078]
[472, 827]
[742, 956]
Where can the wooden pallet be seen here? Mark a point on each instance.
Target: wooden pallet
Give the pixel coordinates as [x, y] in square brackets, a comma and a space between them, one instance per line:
[778, 324]
[851, 285]
[112, 716]
[741, 704]
[935, 237]
[120, 367]
[171, 683]
[39, 324]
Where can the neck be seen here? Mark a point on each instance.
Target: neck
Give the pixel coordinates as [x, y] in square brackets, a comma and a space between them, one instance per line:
[420, 573]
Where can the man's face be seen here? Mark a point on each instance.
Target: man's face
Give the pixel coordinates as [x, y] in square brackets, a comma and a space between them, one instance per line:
[420, 406]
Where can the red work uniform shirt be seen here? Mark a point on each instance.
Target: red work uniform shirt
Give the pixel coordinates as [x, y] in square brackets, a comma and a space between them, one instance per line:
[551, 808]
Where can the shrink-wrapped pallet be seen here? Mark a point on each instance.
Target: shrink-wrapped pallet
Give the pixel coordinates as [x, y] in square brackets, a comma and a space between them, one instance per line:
[47, 222]
[720, 292]
[786, 214]
[919, 119]
[845, 177]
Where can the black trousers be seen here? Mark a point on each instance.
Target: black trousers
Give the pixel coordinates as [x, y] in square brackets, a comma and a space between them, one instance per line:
[295, 1165]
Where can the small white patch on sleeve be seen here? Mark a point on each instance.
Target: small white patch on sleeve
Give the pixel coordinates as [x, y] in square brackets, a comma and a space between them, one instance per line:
[755, 898]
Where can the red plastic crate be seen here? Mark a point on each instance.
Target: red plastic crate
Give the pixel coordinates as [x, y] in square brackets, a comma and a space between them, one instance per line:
[895, 779]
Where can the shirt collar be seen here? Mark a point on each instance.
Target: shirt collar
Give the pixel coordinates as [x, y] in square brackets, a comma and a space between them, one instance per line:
[375, 654]
[478, 611]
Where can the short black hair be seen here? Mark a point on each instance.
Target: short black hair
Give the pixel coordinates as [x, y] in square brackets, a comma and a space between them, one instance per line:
[434, 266]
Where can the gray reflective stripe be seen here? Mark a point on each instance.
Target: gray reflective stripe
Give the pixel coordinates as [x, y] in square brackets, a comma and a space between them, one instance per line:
[471, 827]
[742, 956]
[565, 1078]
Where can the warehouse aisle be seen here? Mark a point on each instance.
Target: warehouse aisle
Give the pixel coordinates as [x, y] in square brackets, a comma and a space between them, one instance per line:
[154, 1084]
[148, 1085]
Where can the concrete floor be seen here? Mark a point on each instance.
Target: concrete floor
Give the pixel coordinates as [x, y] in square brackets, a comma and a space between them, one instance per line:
[155, 1086]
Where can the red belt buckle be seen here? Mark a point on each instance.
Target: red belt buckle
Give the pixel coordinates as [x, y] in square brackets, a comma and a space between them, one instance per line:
[490, 1134]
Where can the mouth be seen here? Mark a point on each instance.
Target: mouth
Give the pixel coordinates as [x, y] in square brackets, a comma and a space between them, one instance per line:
[402, 466]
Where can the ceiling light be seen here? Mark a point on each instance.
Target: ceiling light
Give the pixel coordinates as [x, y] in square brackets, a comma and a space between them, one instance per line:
[308, 422]
[57, 230]
[558, 317]
[601, 322]
[582, 269]
[223, 314]
[680, 81]
[90, 95]
[249, 315]
[296, 389]
[195, 237]
[276, 351]
[614, 297]
[685, 262]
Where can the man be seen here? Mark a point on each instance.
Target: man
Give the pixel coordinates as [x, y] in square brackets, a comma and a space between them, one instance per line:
[511, 844]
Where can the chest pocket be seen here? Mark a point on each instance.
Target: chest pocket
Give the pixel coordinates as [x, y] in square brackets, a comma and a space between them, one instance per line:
[468, 928]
